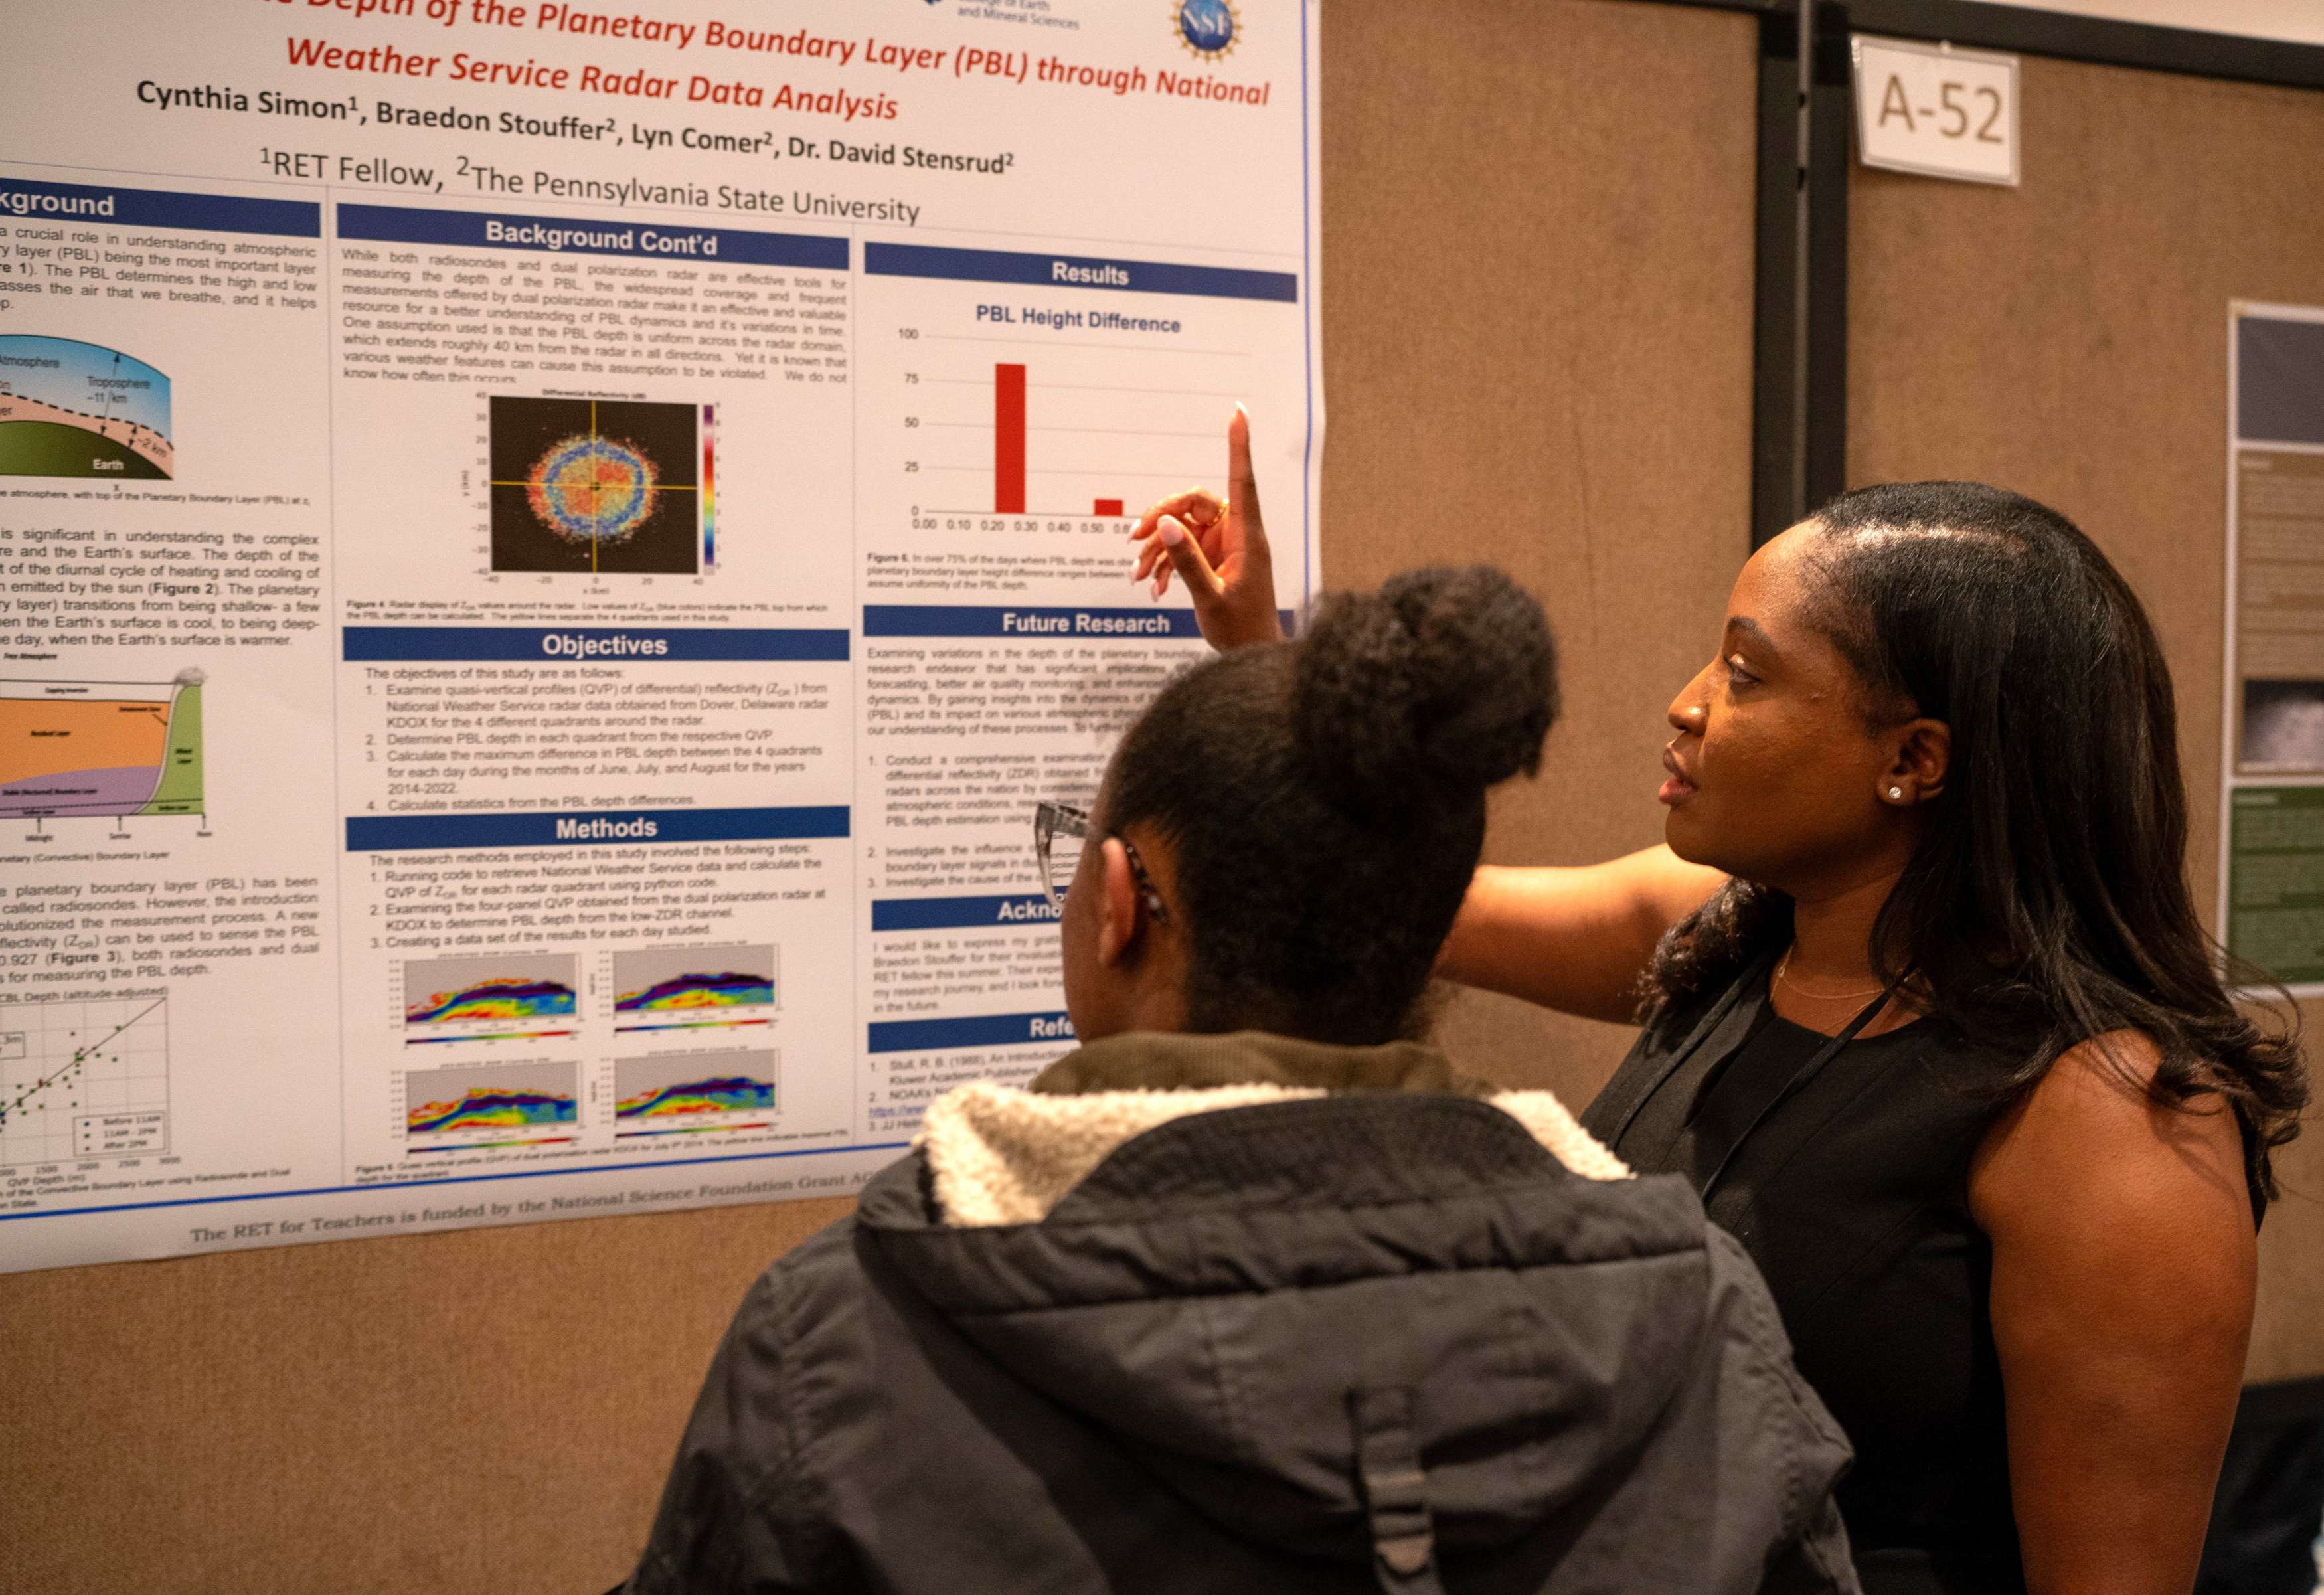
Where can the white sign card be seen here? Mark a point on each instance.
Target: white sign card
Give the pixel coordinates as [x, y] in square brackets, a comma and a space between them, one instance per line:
[1936, 110]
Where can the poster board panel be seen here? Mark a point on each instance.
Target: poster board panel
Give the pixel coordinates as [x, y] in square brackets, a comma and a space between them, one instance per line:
[566, 738]
[1556, 376]
[1563, 388]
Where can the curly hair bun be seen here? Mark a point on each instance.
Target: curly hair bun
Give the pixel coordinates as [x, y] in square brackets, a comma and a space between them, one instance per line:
[1424, 693]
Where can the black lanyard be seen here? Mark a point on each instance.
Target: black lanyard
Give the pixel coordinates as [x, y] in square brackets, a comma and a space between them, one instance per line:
[1726, 1028]
[1727, 1023]
[1798, 1081]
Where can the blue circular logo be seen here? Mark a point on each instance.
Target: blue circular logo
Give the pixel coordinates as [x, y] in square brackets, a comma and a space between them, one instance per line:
[1208, 26]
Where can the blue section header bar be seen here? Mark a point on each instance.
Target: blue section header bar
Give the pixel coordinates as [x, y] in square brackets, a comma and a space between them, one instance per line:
[159, 208]
[978, 913]
[479, 229]
[1059, 625]
[401, 833]
[514, 644]
[1073, 271]
[992, 1029]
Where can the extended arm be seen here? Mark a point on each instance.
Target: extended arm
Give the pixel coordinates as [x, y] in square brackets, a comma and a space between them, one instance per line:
[1574, 939]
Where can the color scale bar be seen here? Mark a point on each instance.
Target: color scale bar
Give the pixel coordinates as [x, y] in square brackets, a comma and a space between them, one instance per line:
[709, 495]
[625, 1135]
[696, 1025]
[485, 1035]
[1112, 507]
[1009, 440]
[554, 1140]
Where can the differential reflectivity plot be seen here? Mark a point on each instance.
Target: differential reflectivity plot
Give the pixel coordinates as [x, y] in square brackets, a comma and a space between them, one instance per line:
[592, 489]
[75, 409]
[93, 748]
[455, 990]
[496, 1105]
[598, 485]
[662, 987]
[694, 1093]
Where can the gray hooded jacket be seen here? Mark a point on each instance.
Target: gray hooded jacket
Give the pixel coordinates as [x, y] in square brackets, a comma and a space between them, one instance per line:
[1342, 1341]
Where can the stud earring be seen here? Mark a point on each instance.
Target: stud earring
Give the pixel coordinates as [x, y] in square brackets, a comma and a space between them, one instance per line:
[1895, 794]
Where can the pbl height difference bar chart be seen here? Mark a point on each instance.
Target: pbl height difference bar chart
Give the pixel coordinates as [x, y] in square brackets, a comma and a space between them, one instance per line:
[1024, 392]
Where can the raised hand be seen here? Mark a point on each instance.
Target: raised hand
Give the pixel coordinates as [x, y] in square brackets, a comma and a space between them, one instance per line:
[1219, 549]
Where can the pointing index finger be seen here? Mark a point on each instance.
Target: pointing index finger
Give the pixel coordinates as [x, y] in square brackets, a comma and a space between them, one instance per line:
[1242, 481]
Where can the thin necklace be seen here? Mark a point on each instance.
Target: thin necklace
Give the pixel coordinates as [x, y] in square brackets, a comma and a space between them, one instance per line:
[1783, 976]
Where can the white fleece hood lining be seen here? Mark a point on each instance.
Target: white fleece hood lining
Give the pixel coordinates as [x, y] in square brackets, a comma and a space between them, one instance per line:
[998, 1155]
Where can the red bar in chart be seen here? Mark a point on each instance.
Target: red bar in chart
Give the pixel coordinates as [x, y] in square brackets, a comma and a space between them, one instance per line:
[1107, 507]
[1008, 439]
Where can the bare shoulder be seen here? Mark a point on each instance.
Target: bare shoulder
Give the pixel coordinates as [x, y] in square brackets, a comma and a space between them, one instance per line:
[2125, 1269]
[2088, 1157]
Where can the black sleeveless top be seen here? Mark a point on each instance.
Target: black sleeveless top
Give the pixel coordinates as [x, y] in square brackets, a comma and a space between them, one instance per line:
[1850, 1191]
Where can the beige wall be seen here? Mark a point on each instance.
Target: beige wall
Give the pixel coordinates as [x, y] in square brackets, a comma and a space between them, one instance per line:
[1560, 383]
[1537, 270]
[2068, 339]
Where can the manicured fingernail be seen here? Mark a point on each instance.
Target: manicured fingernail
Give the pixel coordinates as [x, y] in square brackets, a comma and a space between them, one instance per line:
[1173, 534]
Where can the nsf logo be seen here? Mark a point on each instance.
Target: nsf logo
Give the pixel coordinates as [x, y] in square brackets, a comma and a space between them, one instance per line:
[1207, 28]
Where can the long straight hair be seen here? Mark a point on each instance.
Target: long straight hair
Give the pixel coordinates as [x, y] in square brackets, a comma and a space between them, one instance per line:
[2047, 901]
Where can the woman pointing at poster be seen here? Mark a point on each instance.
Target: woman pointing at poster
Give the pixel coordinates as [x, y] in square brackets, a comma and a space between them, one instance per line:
[1928, 1020]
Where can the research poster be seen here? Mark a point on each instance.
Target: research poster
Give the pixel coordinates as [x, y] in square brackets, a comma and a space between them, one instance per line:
[2272, 875]
[552, 550]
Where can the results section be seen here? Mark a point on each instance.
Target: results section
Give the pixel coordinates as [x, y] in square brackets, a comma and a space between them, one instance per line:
[1011, 407]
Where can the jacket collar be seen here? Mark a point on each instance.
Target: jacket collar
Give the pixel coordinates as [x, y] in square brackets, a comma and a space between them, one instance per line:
[997, 1155]
[1149, 1060]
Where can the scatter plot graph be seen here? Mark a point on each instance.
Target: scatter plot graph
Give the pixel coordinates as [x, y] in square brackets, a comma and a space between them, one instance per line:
[603, 486]
[688, 1094]
[505, 1104]
[82, 1080]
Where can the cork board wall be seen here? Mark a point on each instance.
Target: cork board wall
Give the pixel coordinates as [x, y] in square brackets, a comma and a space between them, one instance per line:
[1537, 295]
[2068, 339]
[1548, 367]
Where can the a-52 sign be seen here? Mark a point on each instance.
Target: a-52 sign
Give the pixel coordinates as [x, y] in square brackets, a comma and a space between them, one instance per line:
[1934, 110]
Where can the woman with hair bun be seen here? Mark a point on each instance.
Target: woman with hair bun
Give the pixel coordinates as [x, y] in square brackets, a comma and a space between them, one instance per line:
[1928, 1020]
[1253, 1291]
